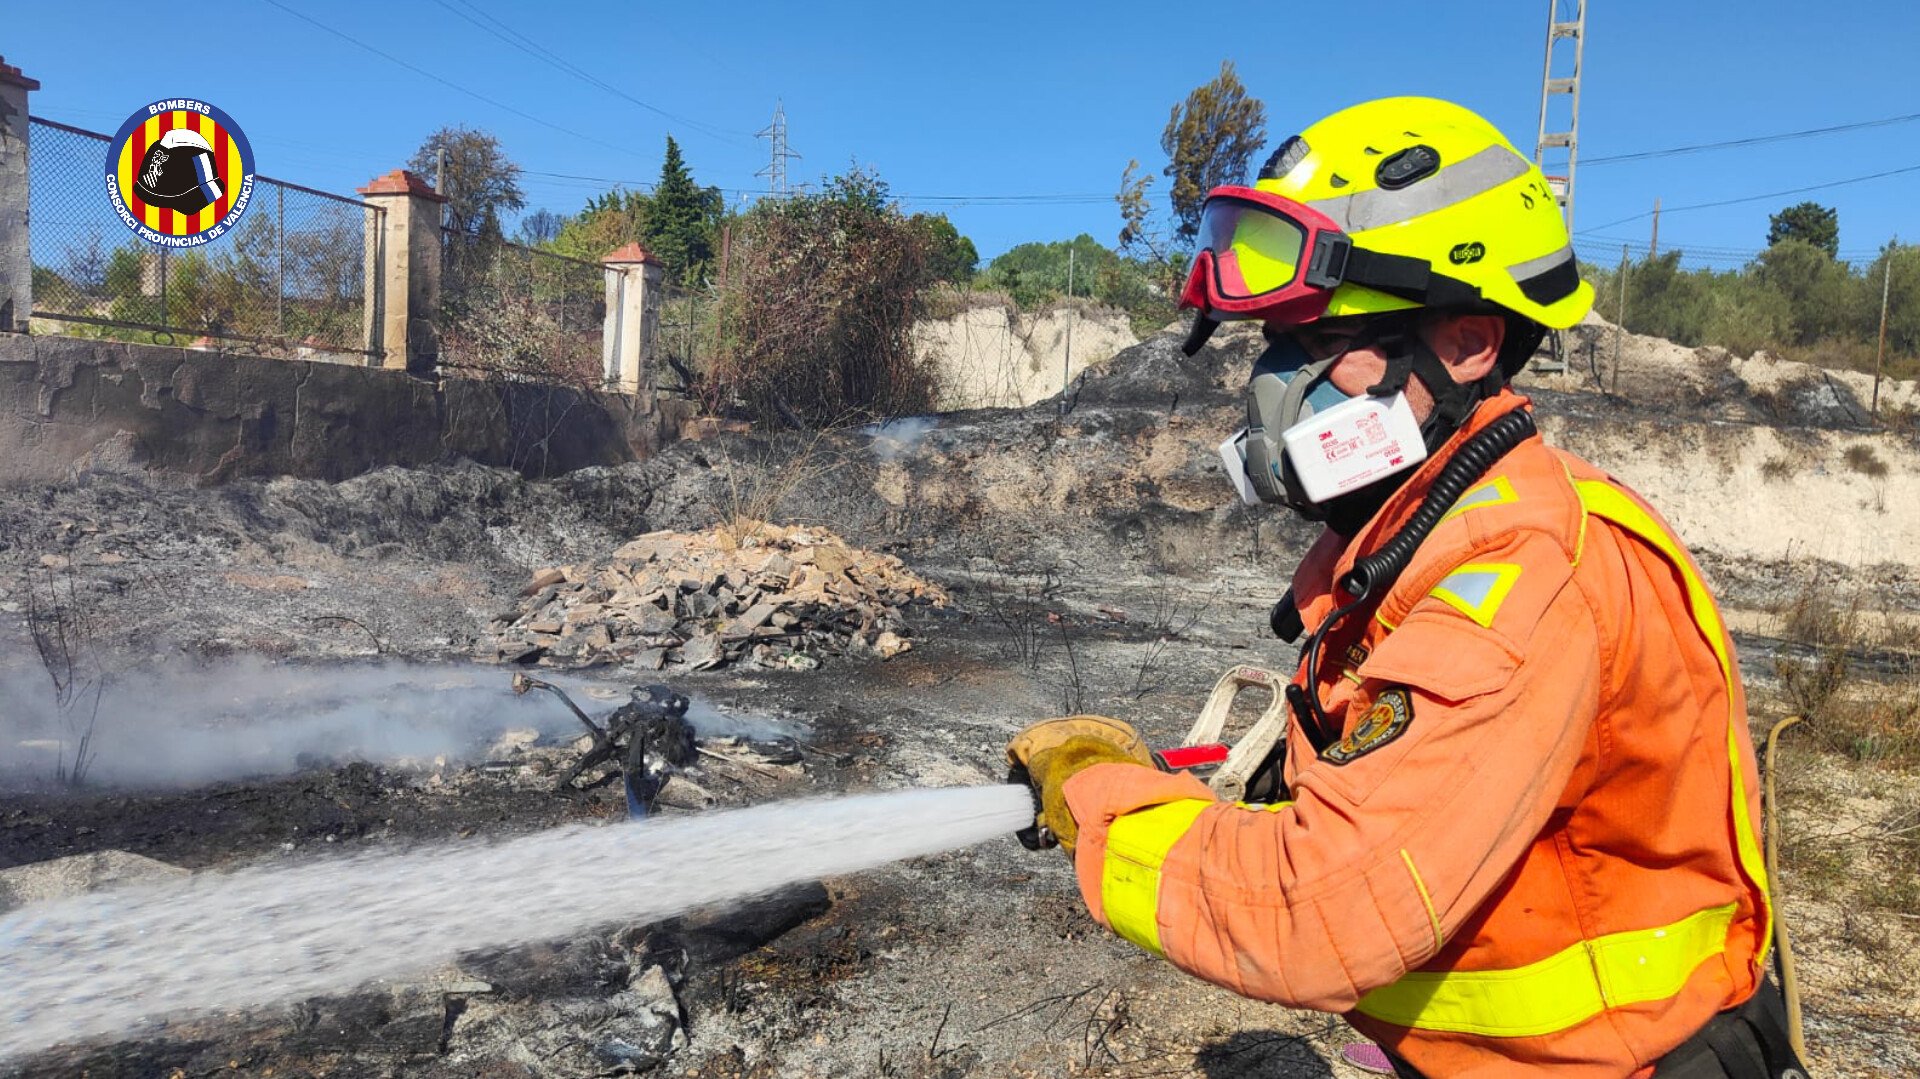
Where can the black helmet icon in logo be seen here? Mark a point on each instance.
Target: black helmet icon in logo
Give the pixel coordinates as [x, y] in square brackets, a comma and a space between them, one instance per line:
[178, 173]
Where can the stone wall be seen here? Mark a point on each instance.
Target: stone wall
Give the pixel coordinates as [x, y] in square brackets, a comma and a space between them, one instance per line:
[69, 405]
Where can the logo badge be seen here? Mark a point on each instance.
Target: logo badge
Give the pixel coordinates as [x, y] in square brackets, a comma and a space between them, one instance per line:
[1392, 711]
[1467, 254]
[179, 173]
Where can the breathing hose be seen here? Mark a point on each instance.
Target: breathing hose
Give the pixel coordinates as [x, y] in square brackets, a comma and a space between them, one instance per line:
[1470, 462]
[1789, 980]
[1380, 569]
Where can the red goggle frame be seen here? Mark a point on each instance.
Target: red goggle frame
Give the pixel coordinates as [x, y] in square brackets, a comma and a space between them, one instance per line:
[1264, 256]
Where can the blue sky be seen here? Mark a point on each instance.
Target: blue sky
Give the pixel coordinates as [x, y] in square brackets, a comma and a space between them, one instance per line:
[972, 109]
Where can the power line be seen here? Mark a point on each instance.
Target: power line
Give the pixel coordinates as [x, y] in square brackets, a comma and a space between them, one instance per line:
[1752, 198]
[956, 200]
[532, 48]
[1757, 140]
[1605, 250]
[450, 84]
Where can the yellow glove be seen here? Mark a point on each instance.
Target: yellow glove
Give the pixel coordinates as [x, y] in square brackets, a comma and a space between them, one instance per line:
[1047, 754]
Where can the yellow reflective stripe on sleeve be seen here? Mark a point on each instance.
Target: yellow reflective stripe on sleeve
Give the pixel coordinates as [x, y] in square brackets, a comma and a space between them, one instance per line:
[1477, 589]
[1609, 502]
[1495, 492]
[1568, 987]
[1433, 917]
[1137, 844]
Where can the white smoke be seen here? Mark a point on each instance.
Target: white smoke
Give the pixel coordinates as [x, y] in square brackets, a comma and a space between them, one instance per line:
[895, 439]
[251, 717]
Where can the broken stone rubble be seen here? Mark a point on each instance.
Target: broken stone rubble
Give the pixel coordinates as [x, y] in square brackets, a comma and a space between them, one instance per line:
[781, 597]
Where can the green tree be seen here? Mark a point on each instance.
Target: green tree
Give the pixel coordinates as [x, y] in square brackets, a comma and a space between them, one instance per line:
[539, 228]
[1036, 273]
[482, 183]
[950, 256]
[1141, 239]
[1808, 222]
[1824, 299]
[682, 218]
[1209, 140]
[611, 220]
[862, 190]
[1903, 297]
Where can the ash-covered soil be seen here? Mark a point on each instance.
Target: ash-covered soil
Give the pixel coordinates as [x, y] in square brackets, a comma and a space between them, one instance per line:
[1095, 560]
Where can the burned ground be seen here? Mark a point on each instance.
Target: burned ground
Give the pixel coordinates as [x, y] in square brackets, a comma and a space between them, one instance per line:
[1094, 563]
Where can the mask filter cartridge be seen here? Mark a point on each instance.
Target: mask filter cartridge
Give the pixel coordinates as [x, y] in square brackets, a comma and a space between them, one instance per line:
[1352, 444]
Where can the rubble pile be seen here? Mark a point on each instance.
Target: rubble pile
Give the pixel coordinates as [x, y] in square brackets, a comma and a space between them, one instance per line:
[776, 596]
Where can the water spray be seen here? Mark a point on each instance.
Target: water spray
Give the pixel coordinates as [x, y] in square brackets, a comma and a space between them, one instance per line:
[117, 963]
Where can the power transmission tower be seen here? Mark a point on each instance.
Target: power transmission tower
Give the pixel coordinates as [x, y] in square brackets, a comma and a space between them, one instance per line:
[1566, 21]
[776, 170]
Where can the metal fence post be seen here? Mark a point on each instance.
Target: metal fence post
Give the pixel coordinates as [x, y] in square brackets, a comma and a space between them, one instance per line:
[411, 269]
[280, 251]
[16, 252]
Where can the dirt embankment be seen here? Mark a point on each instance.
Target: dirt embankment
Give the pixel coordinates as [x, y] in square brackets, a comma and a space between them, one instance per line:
[993, 356]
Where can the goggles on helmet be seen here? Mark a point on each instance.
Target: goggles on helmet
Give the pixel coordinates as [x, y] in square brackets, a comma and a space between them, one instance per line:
[1264, 256]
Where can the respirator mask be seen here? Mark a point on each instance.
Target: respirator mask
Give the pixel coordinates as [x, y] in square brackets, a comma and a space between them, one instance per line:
[1262, 256]
[1307, 443]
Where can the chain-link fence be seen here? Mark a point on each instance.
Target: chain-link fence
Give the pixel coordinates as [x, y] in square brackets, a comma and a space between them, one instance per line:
[290, 280]
[684, 334]
[508, 311]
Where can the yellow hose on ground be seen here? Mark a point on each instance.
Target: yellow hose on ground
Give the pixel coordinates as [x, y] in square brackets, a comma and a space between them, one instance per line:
[1789, 981]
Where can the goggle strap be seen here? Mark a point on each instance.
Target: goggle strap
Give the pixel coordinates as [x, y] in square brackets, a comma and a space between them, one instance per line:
[1408, 278]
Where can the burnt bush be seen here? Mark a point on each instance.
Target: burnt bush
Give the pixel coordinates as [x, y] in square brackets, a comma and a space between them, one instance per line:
[823, 291]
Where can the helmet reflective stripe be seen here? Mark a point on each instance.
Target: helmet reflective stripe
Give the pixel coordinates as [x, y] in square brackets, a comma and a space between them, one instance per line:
[1550, 277]
[1454, 183]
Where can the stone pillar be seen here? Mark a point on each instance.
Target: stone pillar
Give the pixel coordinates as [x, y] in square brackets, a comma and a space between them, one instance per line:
[404, 293]
[16, 253]
[634, 291]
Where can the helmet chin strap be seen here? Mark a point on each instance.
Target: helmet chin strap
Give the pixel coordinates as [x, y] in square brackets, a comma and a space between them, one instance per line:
[1408, 355]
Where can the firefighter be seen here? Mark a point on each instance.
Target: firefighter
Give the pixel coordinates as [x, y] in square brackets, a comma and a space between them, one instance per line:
[1518, 830]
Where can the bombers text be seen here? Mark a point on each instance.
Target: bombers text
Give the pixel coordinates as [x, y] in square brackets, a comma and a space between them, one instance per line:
[178, 104]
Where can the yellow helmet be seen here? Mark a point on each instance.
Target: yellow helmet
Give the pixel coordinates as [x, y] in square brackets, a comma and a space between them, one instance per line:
[1393, 204]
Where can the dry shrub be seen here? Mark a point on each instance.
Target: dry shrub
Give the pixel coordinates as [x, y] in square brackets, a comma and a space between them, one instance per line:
[511, 312]
[515, 336]
[823, 291]
[1862, 459]
[1777, 469]
[763, 479]
[1866, 719]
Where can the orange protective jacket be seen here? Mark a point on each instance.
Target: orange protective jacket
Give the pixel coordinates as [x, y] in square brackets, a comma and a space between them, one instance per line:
[1533, 842]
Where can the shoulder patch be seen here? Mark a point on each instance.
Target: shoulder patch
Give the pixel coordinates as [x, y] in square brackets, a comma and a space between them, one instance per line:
[1497, 491]
[1477, 589]
[1387, 719]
